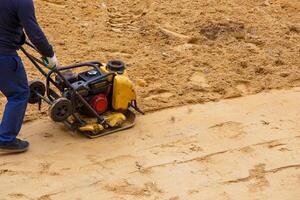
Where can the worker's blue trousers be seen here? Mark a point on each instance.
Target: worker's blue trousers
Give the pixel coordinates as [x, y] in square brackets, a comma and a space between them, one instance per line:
[14, 86]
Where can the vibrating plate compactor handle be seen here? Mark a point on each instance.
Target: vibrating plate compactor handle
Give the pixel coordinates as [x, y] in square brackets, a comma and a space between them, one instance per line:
[61, 108]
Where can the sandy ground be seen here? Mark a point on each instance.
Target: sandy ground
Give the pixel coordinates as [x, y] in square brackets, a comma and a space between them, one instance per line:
[180, 52]
[246, 148]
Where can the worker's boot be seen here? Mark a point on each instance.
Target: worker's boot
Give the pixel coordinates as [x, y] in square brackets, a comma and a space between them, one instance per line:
[16, 146]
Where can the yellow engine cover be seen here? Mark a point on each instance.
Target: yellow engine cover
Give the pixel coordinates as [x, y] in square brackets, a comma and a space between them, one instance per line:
[123, 92]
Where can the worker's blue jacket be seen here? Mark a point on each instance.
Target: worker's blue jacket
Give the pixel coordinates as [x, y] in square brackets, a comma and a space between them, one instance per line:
[16, 16]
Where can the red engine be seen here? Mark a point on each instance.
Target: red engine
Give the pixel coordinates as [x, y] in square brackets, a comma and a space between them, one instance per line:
[92, 85]
[99, 103]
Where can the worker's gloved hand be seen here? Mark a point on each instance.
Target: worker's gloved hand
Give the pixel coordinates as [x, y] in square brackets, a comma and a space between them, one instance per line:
[50, 62]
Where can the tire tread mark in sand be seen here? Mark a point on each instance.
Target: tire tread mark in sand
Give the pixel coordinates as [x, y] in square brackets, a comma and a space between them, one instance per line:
[205, 157]
[258, 175]
[120, 21]
[126, 188]
[49, 195]
[19, 196]
[273, 171]
[183, 161]
[229, 129]
[43, 171]
[184, 146]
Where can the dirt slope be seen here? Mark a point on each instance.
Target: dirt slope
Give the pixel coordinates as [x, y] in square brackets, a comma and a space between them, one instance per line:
[246, 148]
[181, 51]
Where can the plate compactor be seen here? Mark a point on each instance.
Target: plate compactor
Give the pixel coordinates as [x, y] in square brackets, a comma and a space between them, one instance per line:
[91, 98]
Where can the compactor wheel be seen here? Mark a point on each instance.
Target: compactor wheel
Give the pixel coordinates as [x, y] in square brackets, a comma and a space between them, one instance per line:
[60, 110]
[36, 87]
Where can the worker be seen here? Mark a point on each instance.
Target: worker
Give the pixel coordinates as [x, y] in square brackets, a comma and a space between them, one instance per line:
[17, 16]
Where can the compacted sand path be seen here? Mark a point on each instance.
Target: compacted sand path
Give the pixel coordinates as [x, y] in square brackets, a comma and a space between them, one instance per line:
[246, 148]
